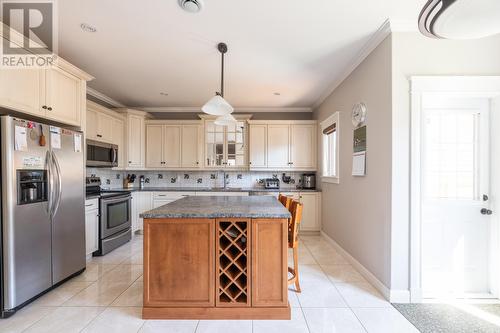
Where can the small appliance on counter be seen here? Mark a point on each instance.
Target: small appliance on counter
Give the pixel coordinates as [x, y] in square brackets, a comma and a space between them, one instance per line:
[141, 182]
[308, 181]
[272, 184]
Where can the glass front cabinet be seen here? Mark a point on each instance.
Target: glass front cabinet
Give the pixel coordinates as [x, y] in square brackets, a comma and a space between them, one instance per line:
[225, 146]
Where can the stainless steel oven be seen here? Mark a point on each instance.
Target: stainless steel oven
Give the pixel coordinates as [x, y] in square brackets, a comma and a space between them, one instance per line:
[100, 154]
[115, 221]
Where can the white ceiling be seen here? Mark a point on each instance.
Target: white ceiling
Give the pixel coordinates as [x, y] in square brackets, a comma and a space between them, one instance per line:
[295, 47]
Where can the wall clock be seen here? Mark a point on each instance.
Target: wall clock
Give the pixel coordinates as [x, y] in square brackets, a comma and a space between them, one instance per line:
[358, 114]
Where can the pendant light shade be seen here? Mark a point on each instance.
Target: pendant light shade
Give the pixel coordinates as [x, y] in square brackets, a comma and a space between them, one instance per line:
[460, 19]
[226, 120]
[217, 106]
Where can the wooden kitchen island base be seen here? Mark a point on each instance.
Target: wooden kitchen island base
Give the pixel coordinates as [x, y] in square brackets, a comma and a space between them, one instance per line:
[216, 313]
[216, 268]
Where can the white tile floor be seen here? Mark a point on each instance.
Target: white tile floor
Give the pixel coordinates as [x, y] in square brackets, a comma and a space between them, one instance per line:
[107, 297]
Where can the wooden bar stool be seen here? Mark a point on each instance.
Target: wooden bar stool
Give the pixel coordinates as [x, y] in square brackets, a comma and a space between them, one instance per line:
[293, 242]
[285, 201]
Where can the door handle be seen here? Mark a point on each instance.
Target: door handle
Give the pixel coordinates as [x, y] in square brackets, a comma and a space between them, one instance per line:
[59, 184]
[486, 211]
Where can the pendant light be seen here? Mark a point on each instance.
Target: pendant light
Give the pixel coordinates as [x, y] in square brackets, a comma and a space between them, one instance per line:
[217, 105]
[226, 120]
[460, 19]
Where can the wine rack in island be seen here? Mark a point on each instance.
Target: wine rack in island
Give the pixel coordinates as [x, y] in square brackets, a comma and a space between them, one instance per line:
[232, 262]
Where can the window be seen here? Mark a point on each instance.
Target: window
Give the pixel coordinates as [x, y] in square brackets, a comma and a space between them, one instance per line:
[330, 129]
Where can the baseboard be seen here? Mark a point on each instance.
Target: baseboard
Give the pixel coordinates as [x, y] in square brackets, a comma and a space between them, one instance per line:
[393, 296]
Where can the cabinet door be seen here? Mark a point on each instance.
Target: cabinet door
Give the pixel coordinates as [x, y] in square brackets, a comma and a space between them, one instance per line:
[135, 141]
[145, 204]
[154, 146]
[63, 93]
[179, 267]
[21, 90]
[172, 146]
[92, 125]
[258, 146]
[190, 148]
[303, 146]
[278, 146]
[91, 231]
[310, 213]
[104, 127]
[269, 263]
[119, 140]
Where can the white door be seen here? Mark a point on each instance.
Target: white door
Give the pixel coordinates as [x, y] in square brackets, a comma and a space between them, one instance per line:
[278, 146]
[455, 189]
[190, 149]
[135, 141]
[104, 127]
[21, 90]
[92, 124]
[154, 146]
[119, 140]
[257, 146]
[303, 146]
[310, 213]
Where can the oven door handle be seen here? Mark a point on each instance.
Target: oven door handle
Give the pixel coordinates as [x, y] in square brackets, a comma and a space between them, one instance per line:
[126, 197]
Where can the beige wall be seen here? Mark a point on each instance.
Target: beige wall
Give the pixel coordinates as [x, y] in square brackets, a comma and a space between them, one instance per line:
[357, 212]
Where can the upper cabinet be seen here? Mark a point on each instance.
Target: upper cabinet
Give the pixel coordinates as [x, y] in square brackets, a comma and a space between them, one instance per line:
[135, 142]
[283, 145]
[225, 146]
[173, 144]
[57, 93]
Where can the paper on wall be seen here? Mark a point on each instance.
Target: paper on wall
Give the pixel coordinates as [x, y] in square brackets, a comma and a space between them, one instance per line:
[55, 137]
[77, 139]
[359, 164]
[20, 138]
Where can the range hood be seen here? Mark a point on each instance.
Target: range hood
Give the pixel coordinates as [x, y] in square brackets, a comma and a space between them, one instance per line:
[460, 19]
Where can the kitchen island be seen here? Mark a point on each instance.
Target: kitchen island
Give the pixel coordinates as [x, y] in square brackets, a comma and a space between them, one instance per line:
[216, 258]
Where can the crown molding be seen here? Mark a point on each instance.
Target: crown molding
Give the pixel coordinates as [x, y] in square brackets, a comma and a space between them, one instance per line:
[100, 96]
[378, 37]
[237, 109]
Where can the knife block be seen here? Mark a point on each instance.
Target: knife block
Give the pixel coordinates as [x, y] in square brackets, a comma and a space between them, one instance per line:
[126, 184]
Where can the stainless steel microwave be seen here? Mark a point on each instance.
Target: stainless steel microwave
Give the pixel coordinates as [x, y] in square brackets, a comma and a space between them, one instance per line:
[100, 154]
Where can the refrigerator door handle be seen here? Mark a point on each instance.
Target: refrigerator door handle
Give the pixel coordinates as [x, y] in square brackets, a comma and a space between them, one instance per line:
[59, 184]
[50, 183]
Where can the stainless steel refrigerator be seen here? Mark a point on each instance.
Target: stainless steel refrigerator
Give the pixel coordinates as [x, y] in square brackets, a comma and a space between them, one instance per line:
[43, 209]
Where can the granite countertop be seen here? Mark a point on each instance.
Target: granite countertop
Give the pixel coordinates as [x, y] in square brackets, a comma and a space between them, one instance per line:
[221, 207]
[208, 189]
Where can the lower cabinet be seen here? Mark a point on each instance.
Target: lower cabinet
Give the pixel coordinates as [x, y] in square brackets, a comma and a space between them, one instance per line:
[179, 265]
[91, 226]
[311, 213]
[223, 194]
[141, 202]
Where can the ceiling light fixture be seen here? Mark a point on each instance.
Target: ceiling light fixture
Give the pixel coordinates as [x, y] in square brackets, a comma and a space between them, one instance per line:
[191, 6]
[226, 120]
[217, 105]
[460, 19]
[87, 27]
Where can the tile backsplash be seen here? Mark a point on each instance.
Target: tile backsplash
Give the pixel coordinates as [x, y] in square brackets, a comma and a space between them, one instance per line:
[244, 179]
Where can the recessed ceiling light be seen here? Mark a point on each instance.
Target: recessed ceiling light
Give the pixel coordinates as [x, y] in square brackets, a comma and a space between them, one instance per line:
[277, 94]
[164, 94]
[191, 6]
[87, 28]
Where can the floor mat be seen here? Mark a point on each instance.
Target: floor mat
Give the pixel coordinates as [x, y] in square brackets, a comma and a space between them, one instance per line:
[445, 318]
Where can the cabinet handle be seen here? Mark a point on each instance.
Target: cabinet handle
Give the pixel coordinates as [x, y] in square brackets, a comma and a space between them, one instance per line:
[89, 205]
[49, 108]
[44, 107]
[129, 162]
[197, 163]
[99, 135]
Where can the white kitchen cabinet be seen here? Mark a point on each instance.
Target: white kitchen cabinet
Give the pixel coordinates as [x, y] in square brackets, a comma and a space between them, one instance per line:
[20, 90]
[283, 145]
[63, 96]
[225, 146]
[278, 146]
[173, 145]
[191, 143]
[303, 146]
[92, 118]
[91, 226]
[141, 202]
[311, 213]
[258, 146]
[119, 140]
[135, 138]
[163, 198]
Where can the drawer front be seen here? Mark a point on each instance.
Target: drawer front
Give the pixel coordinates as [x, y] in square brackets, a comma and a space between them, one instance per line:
[91, 204]
[171, 195]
